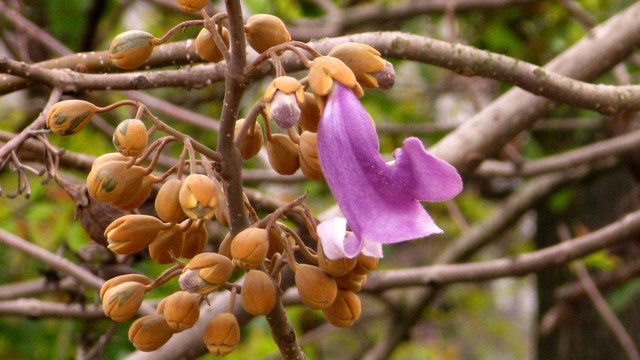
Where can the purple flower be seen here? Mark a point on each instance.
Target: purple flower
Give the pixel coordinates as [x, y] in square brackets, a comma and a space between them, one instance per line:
[379, 200]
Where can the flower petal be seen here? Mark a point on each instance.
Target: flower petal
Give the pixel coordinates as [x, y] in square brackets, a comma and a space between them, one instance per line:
[378, 200]
[430, 178]
[332, 234]
[371, 248]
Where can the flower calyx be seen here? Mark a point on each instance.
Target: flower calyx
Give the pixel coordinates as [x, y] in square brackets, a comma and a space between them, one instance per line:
[371, 70]
[323, 70]
[283, 99]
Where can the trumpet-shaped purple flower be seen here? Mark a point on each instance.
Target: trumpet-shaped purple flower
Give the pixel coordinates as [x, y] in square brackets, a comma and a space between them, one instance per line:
[379, 200]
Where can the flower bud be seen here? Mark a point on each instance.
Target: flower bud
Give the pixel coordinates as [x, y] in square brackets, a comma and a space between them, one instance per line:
[149, 333]
[130, 200]
[362, 59]
[276, 242]
[325, 69]
[222, 215]
[365, 264]
[130, 137]
[283, 154]
[195, 240]
[386, 77]
[139, 278]
[131, 233]
[191, 5]
[344, 310]
[310, 113]
[317, 289]
[336, 268]
[351, 281]
[258, 293]
[114, 156]
[253, 139]
[308, 155]
[122, 301]
[167, 245]
[160, 306]
[282, 99]
[114, 181]
[167, 202]
[222, 334]
[181, 310]
[205, 273]
[249, 247]
[70, 116]
[225, 246]
[207, 48]
[131, 49]
[264, 31]
[198, 197]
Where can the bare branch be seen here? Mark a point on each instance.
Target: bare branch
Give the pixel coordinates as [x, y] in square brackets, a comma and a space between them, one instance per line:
[587, 154]
[58, 263]
[38, 308]
[616, 232]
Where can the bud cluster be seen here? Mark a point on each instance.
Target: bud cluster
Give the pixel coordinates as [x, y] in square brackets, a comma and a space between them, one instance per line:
[183, 205]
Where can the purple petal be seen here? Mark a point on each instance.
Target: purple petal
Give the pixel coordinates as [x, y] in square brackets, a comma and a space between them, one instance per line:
[378, 200]
[430, 178]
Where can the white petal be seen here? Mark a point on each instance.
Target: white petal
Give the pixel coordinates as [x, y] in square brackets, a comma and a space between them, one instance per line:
[332, 233]
[371, 248]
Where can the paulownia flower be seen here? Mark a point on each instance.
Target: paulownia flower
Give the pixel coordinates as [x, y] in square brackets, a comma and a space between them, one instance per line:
[379, 200]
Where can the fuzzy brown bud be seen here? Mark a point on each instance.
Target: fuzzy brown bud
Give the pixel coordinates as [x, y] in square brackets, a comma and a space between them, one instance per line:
[258, 293]
[283, 154]
[276, 242]
[206, 46]
[225, 246]
[131, 233]
[362, 59]
[317, 289]
[167, 245]
[249, 247]
[308, 155]
[122, 301]
[264, 31]
[336, 268]
[139, 278]
[195, 240]
[70, 116]
[191, 5]
[351, 281]
[205, 273]
[365, 264]
[222, 334]
[114, 181]
[198, 197]
[130, 137]
[167, 203]
[131, 49]
[310, 113]
[344, 310]
[149, 333]
[128, 201]
[252, 141]
[181, 310]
